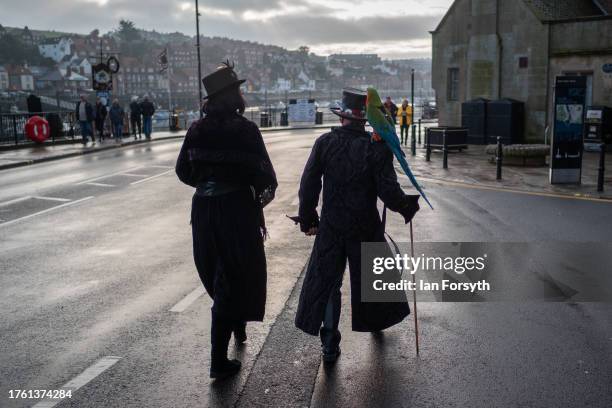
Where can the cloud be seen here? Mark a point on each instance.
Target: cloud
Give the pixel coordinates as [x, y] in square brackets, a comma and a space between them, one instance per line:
[321, 24]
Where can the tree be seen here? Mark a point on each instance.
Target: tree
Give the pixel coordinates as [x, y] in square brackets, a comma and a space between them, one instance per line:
[127, 31]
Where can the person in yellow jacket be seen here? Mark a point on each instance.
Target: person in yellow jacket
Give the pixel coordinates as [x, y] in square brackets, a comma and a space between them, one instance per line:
[404, 118]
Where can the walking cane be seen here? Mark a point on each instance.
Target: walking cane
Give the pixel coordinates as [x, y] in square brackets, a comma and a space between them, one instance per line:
[416, 322]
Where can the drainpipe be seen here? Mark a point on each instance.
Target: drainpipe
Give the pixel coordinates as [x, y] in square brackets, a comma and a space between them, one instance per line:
[547, 104]
[500, 45]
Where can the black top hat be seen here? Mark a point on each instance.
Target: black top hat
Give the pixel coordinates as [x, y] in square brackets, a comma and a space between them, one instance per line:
[223, 78]
[353, 104]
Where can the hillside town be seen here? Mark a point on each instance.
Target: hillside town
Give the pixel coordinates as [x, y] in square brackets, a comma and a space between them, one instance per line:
[57, 67]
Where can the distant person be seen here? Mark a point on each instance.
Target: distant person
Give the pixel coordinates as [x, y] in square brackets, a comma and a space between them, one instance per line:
[116, 115]
[135, 118]
[225, 159]
[147, 109]
[85, 115]
[391, 108]
[404, 114]
[101, 113]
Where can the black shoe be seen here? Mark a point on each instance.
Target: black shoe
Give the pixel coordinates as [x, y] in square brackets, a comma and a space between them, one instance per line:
[330, 345]
[240, 335]
[225, 369]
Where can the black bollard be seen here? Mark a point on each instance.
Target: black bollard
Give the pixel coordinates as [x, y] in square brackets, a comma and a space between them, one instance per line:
[444, 150]
[413, 141]
[499, 158]
[419, 131]
[428, 144]
[602, 168]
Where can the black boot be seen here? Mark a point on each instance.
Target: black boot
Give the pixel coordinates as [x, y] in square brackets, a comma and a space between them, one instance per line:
[220, 366]
[240, 335]
[330, 344]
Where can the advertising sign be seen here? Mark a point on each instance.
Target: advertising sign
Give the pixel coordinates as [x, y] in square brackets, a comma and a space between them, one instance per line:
[566, 148]
[302, 110]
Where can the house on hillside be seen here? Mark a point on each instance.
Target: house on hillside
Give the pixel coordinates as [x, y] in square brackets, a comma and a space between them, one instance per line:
[4, 79]
[20, 78]
[56, 48]
[515, 49]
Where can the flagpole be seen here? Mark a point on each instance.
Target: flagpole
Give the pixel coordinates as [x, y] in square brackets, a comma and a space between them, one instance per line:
[416, 322]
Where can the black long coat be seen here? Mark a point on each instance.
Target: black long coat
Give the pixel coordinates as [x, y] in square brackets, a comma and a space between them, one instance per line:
[356, 172]
[228, 229]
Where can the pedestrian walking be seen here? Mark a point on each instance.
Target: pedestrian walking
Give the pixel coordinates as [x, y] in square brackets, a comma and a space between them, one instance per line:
[100, 113]
[404, 114]
[224, 158]
[85, 115]
[135, 118]
[147, 108]
[353, 169]
[116, 115]
[391, 108]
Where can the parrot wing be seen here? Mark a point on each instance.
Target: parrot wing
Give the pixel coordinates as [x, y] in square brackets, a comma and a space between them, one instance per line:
[387, 132]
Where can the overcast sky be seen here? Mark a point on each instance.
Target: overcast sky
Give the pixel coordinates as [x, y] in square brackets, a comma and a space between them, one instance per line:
[393, 29]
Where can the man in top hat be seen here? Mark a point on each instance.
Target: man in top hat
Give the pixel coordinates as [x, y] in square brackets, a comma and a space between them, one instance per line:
[356, 171]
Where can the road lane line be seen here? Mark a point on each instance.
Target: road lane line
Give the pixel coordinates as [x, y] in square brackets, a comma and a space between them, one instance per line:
[82, 379]
[61, 200]
[515, 191]
[108, 175]
[188, 300]
[100, 184]
[151, 178]
[161, 167]
[15, 201]
[57, 207]
[133, 175]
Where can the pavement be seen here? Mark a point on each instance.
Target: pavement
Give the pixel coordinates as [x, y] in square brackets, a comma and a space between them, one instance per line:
[99, 295]
[11, 156]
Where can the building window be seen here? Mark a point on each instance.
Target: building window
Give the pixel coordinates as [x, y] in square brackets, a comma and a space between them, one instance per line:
[523, 62]
[452, 92]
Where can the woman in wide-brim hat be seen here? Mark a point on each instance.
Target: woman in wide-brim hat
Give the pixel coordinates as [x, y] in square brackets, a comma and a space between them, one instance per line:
[224, 157]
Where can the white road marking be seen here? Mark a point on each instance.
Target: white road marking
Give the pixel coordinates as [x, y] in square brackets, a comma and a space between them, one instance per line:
[62, 200]
[100, 184]
[108, 175]
[82, 379]
[161, 167]
[151, 178]
[188, 300]
[133, 175]
[57, 207]
[15, 201]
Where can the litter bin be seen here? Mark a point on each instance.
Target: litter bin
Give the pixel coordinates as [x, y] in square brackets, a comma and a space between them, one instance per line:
[319, 118]
[264, 120]
[174, 122]
[284, 120]
[506, 119]
[474, 118]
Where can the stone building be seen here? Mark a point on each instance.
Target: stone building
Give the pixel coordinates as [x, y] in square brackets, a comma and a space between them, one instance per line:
[515, 49]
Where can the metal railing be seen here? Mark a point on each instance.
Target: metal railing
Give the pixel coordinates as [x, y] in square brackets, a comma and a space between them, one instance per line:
[62, 124]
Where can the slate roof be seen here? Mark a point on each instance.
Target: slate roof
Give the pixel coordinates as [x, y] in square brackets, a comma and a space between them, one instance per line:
[550, 10]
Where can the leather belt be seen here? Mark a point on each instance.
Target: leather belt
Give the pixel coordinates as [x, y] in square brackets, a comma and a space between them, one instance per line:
[217, 188]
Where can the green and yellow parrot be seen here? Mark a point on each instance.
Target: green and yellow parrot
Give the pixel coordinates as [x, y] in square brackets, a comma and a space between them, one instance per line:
[385, 129]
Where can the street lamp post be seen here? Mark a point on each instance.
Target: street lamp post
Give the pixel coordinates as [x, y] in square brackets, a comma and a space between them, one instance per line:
[197, 11]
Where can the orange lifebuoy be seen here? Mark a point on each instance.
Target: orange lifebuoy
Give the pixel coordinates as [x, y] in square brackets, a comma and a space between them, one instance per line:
[37, 129]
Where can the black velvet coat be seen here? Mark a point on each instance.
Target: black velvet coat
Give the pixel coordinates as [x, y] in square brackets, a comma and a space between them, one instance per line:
[356, 172]
[228, 229]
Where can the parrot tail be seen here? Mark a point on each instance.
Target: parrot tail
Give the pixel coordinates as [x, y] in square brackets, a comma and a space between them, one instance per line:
[404, 164]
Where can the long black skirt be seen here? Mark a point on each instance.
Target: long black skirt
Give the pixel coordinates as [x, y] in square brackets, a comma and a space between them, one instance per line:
[229, 254]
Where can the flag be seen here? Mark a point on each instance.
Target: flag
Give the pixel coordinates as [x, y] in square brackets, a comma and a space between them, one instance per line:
[163, 60]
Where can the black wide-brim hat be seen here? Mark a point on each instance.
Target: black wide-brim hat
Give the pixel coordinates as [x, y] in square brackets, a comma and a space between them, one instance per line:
[353, 105]
[223, 78]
